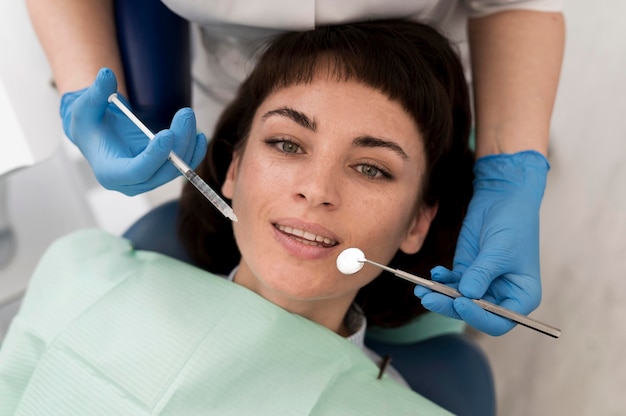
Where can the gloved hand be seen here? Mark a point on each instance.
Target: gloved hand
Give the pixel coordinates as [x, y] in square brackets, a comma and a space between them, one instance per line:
[497, 255]
[121, 156]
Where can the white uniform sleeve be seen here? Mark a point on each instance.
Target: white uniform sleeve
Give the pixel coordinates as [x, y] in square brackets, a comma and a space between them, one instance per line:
[478, 8]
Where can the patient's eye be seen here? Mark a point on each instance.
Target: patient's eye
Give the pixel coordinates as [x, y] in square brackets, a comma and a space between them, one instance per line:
[289, 147]
[373, 172]
[284, 145]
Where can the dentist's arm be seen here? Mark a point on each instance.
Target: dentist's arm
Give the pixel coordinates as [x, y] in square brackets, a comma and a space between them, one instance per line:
[80, 42]
[516, 61]
[78, 38]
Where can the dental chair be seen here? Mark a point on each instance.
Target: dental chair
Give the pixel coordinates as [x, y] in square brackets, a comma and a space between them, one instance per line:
[448, 368]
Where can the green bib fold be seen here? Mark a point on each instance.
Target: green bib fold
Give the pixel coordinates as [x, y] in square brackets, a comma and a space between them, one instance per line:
[106, 330]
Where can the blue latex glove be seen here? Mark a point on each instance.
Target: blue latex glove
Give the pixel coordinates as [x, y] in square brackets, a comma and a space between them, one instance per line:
[497, 255]
[121, 156]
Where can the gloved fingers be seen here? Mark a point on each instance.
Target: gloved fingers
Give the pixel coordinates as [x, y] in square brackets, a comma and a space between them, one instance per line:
[199, 150]
[467, 244]
[184, 127]
[480, 319]
[442, 304]
[148, 166]
[91, 106]
[134, 175]
[151, 169]
[442, 275]
[67, 102]
[465, 309]
[491, 263]
[421, 291]
[518, 293]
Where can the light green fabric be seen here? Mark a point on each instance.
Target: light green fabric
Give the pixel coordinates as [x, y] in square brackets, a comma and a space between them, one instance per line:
[105, 330]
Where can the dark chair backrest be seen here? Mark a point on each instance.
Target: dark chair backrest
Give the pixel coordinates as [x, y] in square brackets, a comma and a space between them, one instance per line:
[156, 55]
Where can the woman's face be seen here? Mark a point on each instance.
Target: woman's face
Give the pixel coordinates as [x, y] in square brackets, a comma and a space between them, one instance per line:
[327, 166]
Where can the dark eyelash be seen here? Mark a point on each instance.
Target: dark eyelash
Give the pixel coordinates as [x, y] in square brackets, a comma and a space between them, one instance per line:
[276, 140]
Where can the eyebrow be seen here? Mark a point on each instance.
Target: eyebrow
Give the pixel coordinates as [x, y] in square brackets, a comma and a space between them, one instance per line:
[294, 115]
[369, 141]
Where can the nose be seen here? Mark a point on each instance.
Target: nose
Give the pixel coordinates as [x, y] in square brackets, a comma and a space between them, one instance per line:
[319, 185]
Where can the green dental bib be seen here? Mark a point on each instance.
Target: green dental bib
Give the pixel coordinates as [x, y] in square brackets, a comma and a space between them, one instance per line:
[106, 330]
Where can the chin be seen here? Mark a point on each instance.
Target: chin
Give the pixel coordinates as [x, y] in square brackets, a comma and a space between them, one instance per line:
[301, 290]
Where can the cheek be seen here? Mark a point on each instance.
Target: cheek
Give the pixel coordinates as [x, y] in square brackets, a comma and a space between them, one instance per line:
[256, 190]
[385, 212]
[259, 173]
[250, 180]
[382, 223]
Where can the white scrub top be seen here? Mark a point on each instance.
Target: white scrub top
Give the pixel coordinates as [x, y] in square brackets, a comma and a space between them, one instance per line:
[305, 14]
[228, 30]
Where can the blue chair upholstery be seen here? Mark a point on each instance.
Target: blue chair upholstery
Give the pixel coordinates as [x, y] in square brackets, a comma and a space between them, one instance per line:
[156, 54]
[450, 370]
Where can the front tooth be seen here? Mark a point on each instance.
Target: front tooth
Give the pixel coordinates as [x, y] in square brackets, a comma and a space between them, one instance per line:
[324, 240]
[305, 235]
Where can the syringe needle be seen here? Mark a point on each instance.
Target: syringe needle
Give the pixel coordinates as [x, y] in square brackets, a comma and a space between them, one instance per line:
[191, 176]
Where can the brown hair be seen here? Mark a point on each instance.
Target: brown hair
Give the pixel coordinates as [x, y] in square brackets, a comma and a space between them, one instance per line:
[411, 63]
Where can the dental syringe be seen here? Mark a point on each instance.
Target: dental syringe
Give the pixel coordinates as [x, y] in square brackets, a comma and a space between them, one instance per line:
[191, 176]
